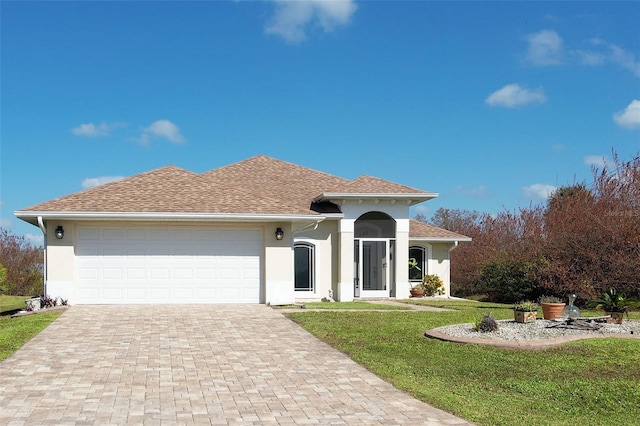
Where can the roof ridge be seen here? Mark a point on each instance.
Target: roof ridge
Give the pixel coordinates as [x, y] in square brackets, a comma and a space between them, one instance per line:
[277, 160]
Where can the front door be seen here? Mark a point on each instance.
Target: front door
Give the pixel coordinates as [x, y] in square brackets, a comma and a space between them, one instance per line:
[372, 268]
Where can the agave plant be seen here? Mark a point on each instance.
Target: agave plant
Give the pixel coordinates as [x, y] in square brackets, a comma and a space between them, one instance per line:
[613, 301]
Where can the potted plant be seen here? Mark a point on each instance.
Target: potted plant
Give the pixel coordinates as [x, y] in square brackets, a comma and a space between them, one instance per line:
[417, 290]
[525, 312]
[552, 307]
[614, 304]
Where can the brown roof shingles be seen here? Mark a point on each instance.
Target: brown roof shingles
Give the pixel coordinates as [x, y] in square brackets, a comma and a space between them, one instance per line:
[168, 190]
[297, 184]
[373, 185]
[422, 230]
[258, 185]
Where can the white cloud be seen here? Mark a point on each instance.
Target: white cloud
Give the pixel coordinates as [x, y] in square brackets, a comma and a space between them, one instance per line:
[161, 129]
[590, 58]
[625, 59]
[545, 48]
[35, 239]
[91, 130]
[291, 18]
[539, 191]
[630, 116]
[595, 160]
[513, 95]
[97, 181]
[614, 54]
[5, 223]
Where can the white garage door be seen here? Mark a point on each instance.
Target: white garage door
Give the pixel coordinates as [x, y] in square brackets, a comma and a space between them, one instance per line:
[144, 264]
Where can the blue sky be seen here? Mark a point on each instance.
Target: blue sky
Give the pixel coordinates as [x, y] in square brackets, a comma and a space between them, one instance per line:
[490, 104]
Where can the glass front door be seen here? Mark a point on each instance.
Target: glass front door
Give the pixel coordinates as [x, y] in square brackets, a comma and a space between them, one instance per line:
[372, 276]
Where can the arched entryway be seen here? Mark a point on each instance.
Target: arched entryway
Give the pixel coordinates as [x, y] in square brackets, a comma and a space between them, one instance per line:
[374, 245]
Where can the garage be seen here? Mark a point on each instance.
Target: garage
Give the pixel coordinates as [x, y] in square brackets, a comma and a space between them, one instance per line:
[167, 264]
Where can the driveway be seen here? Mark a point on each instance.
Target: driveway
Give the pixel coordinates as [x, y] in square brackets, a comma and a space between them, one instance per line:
[194, 365]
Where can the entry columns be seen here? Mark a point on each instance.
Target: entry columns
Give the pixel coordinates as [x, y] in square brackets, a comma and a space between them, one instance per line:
[346, 262]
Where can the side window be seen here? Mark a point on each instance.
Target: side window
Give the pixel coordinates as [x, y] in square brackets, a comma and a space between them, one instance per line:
[304, 266]
[417, 263]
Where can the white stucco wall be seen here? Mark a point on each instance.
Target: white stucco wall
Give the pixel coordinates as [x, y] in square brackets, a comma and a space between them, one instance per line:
[323, 239]
[278, 266]
[60, 261]
[438, 264]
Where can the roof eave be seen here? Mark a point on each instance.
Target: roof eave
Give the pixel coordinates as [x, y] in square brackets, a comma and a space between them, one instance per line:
[441, 239]
[409, 198]
[32, 216]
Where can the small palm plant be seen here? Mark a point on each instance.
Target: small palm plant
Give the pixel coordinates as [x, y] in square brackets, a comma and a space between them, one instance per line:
[614, 302]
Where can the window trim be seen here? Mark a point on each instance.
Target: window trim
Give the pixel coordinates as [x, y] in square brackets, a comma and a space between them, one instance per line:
[311, 255]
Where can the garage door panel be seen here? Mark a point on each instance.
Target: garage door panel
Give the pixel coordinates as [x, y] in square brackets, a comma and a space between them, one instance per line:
[135, 295]
[138, 264]
[112, 273]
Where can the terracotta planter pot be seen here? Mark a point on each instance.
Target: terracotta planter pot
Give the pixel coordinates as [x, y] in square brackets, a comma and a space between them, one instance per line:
[525, 316]
[616, 317]
[552, 310]
[417, 292]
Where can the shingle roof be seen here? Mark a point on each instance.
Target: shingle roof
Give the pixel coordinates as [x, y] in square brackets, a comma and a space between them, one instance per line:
[422, 230]
[297, 184]
[258, 185]
[373, 185]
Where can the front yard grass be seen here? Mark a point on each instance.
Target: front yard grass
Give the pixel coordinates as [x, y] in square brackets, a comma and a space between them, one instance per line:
[344, 305]
[15, 332]
[588, 382]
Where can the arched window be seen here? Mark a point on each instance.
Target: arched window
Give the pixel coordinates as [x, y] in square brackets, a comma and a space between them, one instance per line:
[417, 263]
[304, 266]
[375, 225]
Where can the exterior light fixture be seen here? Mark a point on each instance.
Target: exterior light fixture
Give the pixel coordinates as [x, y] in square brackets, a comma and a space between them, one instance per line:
[279, 234]
[59, 232]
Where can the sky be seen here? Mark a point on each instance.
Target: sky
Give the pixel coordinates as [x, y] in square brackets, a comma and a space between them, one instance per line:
[492, 105]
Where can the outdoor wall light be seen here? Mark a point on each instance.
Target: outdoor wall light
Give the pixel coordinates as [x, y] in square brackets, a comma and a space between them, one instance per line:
[279, 234]
[59, 232]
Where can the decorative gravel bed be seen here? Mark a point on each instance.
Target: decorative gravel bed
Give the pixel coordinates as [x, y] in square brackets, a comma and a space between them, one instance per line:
[512, 331]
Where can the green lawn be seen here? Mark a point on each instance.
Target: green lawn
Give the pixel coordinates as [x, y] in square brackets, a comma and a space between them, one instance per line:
[344, 305]
[589, 382]
[15, 332]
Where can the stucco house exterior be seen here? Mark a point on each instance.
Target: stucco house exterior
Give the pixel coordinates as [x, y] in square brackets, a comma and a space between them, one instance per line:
[258, 231]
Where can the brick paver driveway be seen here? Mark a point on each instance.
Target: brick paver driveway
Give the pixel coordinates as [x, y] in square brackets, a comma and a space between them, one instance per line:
[193, 364]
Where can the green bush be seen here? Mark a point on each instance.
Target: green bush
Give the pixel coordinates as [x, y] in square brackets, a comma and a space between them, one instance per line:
[432, 285]
[510, 281]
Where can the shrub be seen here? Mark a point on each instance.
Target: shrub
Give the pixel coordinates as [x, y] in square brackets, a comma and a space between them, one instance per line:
[511, 281]
[487, 324]
[432, 285]
[48, 302]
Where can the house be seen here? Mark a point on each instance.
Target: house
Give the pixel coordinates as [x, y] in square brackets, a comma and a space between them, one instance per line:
[257, 231]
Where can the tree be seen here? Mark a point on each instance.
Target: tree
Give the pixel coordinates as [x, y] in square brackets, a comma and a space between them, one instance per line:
[585, 240]
[456, 220]
[594, 234]
[3, 278]
[23, 263]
